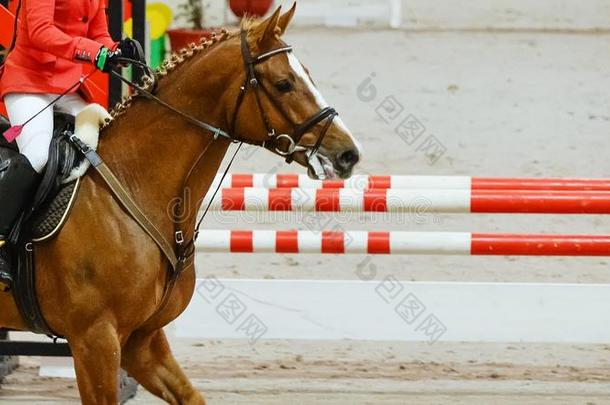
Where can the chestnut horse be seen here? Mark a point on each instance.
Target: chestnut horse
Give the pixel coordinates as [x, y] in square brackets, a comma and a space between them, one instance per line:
[102, 279]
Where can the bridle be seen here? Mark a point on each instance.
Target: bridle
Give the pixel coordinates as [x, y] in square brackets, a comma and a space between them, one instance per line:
[284, 145]
[274, 141]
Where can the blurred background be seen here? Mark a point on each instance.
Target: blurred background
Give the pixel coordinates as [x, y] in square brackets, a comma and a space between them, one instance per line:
[511, 88]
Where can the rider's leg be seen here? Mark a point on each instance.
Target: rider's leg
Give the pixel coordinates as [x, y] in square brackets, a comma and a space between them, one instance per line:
[19, 175]
[36, 136]
[71, 104]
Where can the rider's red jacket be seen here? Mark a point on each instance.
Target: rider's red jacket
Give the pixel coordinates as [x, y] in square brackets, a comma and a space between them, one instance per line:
[55, 41]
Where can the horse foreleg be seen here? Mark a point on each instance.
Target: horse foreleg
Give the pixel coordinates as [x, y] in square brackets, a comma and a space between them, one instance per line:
[148, 358]
[97, 359]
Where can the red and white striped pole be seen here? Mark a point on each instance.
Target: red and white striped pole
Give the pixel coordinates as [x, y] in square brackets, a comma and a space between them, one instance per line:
[399, 243]
[413, 201]
[365, 182]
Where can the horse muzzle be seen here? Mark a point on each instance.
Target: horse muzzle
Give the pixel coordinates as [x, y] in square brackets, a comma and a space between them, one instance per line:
[322, 165]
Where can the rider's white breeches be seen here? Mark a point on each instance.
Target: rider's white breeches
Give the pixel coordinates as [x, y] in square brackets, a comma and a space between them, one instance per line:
[35, 139]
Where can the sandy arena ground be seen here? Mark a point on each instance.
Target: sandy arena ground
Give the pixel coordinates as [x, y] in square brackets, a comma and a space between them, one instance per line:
[501, 104]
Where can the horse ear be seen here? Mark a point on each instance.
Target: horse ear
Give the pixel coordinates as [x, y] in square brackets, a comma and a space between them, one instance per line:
[286, 18]
[268, 30]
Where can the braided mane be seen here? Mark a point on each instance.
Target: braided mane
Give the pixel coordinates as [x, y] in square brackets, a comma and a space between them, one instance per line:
[176, 59]
[170, 64]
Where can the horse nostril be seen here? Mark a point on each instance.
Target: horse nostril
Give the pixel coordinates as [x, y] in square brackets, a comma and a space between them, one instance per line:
[349, 158]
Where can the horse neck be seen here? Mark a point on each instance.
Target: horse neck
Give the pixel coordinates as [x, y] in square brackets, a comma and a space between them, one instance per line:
[153, 150]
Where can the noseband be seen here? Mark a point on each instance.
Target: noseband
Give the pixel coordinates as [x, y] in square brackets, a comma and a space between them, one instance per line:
[282, 144]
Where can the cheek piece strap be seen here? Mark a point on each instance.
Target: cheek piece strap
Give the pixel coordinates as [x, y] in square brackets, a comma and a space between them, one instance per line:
[284, 145]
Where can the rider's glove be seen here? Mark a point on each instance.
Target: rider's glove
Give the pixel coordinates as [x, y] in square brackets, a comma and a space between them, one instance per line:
[130, 49]
[106, 59]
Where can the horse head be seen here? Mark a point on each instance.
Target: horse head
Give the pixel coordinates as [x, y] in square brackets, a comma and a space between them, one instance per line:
[270, 100]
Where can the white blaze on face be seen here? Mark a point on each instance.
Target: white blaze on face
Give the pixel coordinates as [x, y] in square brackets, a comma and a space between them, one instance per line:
[298, 69]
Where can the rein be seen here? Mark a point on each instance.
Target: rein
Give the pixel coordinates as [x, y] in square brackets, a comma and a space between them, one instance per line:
[198, 123]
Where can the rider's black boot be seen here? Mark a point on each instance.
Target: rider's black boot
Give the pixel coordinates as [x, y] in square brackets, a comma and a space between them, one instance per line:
[18, 182]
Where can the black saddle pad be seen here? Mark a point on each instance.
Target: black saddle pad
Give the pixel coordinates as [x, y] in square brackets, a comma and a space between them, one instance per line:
[48, 220]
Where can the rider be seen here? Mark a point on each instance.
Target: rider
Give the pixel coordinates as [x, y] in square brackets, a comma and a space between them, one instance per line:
[54, 40]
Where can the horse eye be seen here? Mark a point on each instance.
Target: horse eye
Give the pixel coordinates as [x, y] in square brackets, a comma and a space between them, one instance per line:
[284, 86]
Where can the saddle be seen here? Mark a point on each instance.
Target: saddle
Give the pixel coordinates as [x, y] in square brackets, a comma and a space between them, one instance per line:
[44, 217]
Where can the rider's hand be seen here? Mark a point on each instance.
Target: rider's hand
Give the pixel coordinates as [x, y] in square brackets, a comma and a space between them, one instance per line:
[106, 59]
[130, 49]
